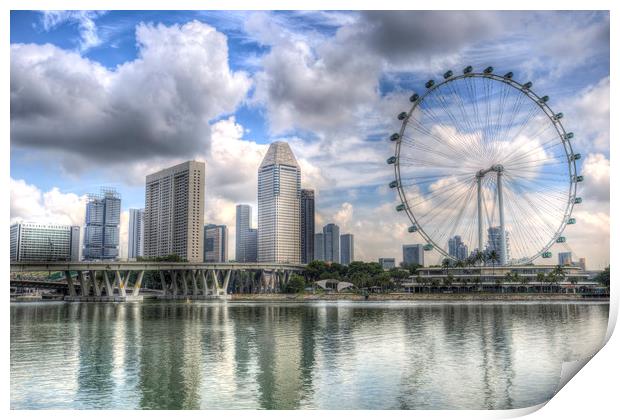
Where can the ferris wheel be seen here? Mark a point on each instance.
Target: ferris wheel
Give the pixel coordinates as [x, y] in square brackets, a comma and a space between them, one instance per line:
[483, 163]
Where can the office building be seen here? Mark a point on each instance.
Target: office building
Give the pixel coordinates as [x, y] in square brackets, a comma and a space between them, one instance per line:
[102, 226]
[245, 243]
[347, 250]
[457, 249]
[279, 193]
[331, 235]
[174, 212]
[413, 254]
[135, 240]
[251, 248]
[319, 247]
[387, 263]
[495, 243]
[216, 243]
[37, 242]
[307, 226]
[565, 258]
[582, 263]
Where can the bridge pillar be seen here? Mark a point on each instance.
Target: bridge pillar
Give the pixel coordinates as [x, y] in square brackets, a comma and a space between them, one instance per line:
[214, 285]
[96, 285]
[109, 289]
[194, 283]
[162, 277]
[226, 281]
[184, 282]
[83, 283]
[70, 284]
[120, 282]
[138, 283]
[173, 278]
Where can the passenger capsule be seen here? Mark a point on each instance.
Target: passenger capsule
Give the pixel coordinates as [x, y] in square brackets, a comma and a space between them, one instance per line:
[579, 178]
[402, 115]
[546, 254]
[578, 200]
[430, 84]
[428, 247]
[488, 70]
[568, 136]
[508, 75]
[400, 207]
[558, 116]
[393, 184]
[391, 160]
[414, 97]
[394, 137]
[447, 74]
[528, 85]
[412, 228]
[468, 70]
[576, 156]
[544, 99]
[571, 221]
[561, 239]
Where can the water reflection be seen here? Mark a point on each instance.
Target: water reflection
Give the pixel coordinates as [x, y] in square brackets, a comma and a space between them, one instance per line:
[292, 355]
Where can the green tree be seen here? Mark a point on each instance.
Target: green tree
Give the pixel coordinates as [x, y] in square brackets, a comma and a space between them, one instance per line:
[603, 277]
[296, 284]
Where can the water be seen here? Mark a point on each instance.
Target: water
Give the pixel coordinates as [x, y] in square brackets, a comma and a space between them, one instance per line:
[339, 355]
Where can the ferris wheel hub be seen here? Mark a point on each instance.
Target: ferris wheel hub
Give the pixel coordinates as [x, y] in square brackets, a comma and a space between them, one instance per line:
[495, 168]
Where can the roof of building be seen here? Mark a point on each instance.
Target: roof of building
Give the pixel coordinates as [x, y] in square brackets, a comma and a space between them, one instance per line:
[279, 153]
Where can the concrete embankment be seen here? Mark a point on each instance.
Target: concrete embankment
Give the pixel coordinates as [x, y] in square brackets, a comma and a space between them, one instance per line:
[513, 297]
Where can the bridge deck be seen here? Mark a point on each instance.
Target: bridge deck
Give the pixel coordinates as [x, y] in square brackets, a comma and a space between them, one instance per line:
[148, 266]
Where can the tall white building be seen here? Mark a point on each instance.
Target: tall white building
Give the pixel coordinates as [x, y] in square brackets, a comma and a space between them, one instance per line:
[36, 242]
[135, 240]
[279, 192]
[102, 226]
[174, 212]
[496, 244]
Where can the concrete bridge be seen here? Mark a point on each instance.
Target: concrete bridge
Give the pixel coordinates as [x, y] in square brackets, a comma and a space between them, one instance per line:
[122, 281]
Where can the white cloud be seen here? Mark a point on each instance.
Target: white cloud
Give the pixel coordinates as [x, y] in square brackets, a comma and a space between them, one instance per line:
[84, 19]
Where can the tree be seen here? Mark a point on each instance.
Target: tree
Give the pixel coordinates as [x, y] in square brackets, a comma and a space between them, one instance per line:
[493, 256]
[603, 277]
[296, 284]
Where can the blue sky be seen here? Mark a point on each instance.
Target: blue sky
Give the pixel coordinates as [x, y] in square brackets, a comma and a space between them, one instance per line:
[102, 98]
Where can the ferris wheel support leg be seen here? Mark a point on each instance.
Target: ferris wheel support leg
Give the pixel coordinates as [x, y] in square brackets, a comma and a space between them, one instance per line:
[479, 213]
[502, 227]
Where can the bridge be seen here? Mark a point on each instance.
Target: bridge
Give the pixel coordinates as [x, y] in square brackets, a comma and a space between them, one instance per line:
[122, 281]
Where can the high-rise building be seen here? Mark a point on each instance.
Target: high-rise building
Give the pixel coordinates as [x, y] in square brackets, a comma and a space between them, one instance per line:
[251, 248]
[319, 247]
[387, 263]
[245, 249]
[174, 212]
[216, 243]
[347, 251]
[307, 226]
[457, 249]
[103, 219]
[495, 243]
[582, 263]
[565, 258]
[331, 234]
[135, 240]
[413, 254]
[279, 193]
[36, 242]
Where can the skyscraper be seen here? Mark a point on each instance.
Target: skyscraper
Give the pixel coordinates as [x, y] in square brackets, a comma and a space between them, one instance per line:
[457, 249]
[319, 247]
[582, 263]
[347, 251]
[103, 219]
[37, 242]
[565, 258]
[495, 243]
[413, 254]
[251, 246]
[174, 212]
[279, 193]
[216, 243]
[331, 233]
[243, 227]
[387, 263]
[135, 242]
[307, 226]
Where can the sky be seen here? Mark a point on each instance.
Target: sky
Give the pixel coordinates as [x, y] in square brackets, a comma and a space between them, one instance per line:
[101, 99]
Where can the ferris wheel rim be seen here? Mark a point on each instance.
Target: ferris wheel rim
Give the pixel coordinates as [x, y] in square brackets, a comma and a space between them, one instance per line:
[548, 112]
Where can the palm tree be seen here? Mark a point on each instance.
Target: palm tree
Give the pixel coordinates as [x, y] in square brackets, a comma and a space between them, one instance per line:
[493, 256]
[540, 278]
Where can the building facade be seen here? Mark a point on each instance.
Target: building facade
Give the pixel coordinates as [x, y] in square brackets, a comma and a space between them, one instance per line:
[307, 225]
[216, 243]
[36, 242]
[387, 263]
[331, 235]
[279, 215]
[102, 226]
[496, 244]
[413, 254]
[245, 251]
[347, 249]
[174, 212]
[457, 249]
[319, 247]
[565, 258]
[135, 240]
[251, 248]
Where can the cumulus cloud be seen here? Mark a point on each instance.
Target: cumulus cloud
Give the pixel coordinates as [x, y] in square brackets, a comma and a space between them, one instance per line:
[596, 178]
[587, 115]
[84, 19]
[159, 104]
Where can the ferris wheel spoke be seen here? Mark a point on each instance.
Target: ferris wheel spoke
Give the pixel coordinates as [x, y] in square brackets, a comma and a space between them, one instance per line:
[438, 192]
[542, 204]
[441, 209]
[426, 148]
[458, 204]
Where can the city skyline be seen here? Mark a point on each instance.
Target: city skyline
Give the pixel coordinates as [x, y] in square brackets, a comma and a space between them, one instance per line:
[348, 176]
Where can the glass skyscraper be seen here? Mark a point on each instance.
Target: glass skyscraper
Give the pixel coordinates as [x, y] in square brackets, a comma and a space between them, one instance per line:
[307, 226]
[413, 254]
[103, 219]
[331, 234]
[347, 253]
[319, 247]
[279, 193]
[216, 243]
[245, 240]
[135, 240]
